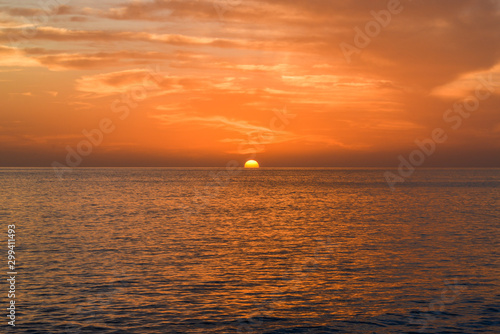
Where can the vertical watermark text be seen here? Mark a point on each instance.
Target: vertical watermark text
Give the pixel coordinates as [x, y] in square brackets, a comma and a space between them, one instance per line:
[11, 274]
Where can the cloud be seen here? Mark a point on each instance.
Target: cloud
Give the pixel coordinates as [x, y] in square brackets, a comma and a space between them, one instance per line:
[468, 83]
[78, 105]
[329, 141]
[13, 57]
[240, 126]
[157, 83]
[117, 82]
[223, 73]
[158, 10]
[67, 35]
[251, 137]
[311, 80]
[21, 11]
[23, 94]
[43, 9]
[57, 60]
[458, 36]
[65, 61]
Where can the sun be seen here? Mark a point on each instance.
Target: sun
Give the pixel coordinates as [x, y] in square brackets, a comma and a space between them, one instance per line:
[251, 164]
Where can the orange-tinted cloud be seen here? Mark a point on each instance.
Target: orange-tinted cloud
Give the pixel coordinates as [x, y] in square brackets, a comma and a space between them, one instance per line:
[223, 68]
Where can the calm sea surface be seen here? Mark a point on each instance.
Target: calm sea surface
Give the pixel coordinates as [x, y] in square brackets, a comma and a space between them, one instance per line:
[267, 251]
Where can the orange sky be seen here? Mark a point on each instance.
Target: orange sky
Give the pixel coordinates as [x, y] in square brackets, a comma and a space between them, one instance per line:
[200, 83]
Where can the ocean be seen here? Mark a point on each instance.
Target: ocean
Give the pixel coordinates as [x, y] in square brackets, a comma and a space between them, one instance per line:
[270, 250]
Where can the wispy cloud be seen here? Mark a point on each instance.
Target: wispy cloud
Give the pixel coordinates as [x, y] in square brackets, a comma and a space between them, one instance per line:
[222, 78]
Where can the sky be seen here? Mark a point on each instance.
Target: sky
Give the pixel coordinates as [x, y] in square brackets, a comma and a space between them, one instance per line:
[317, 83]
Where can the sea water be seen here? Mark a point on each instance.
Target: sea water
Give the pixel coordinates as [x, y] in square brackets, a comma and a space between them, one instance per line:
[166, 250]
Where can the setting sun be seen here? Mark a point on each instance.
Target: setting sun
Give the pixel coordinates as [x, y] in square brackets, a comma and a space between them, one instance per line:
[251, 164]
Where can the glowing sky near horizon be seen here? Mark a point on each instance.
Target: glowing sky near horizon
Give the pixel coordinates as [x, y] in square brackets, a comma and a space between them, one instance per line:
[200, 83]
